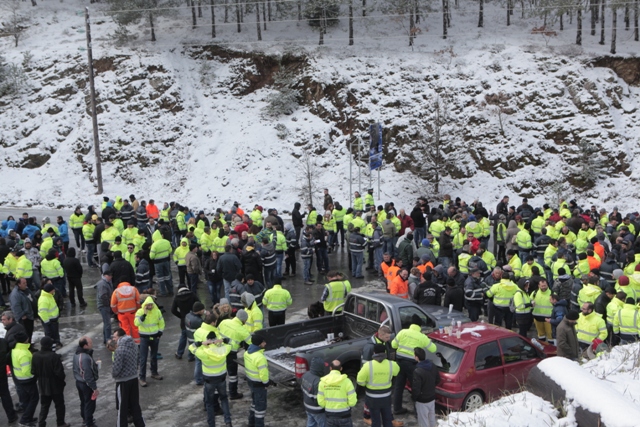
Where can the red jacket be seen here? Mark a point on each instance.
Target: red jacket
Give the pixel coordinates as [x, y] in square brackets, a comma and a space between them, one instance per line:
[405, 222]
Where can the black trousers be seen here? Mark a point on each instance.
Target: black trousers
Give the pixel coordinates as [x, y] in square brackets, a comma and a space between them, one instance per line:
[277, 317]
[87, 405]
[29, 397]
[75, 284]
[45, 404]
[407, 367]
[128, 403]
[290, 261]
[5, 396]
[182, 274]
[524, 322]
[28, 326]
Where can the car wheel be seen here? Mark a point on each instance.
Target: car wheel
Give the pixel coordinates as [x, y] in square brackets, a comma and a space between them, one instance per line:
[473, 401]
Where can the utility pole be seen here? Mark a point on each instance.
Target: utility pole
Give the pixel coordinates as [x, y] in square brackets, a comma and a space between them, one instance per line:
[94, 113]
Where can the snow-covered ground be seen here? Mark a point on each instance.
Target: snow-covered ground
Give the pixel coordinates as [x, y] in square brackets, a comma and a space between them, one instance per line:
[613, 392]
[176, 124]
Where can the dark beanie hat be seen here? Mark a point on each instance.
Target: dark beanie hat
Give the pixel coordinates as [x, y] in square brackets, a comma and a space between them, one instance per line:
[198, 306]
[379, 349]
[562, 271]
[46, 343]
[48, 287]
[573, 315]
[257, 339]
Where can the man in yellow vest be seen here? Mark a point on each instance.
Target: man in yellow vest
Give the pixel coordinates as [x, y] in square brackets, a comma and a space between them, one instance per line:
[625, 322]
[150, 324]
[213, 353]
[276, 300]
[238, 335]
[405, 343]
[590, 326]
[376, 376]
[501, 293]
[159, 254]
[256, 319]
[542, 308]
[23, 378]
[335, 292]
[337, 396]
[256, 369]
[49, 313]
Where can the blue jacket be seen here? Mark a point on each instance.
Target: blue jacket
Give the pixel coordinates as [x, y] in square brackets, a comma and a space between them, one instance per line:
[558, 312]
[63, 229]
[31, 230]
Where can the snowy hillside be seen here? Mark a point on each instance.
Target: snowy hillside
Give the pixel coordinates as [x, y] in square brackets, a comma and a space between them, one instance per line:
[183, 120]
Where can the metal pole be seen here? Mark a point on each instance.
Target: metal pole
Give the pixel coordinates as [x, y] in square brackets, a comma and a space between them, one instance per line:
[359, 165]
[379, 182]
[350, 176]
[94, 113]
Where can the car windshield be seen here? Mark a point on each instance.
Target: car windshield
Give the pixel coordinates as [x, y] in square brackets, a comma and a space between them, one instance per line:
[447, 357]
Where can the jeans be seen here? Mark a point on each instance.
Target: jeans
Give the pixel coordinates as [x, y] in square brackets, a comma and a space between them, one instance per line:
[105, 312]
[418, 236]
[269, 276]
[211, 386]
[357, 259]
[444, 261]
[227, 288]
[91, 249]
[377, 259]
[380, 410]
[406, 373]
[198, 377]
[87, 406]
[258, 405]
[323, 259]
[316, 420]
[523, 255]
[148, 343]
[59, 285]
[213, 292]
[332, 240]
[193, 283]
[165, 280]
[279, 260]
[182, 343]
[388, 246]
[306, 271]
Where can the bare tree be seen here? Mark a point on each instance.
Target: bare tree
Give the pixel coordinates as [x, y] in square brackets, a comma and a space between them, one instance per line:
[213, 18]
[308, 176]
[499, 106]
[481, 14]
[15, 23]
[579, 19]
[350, 22]
[603, 4]
[258, 21]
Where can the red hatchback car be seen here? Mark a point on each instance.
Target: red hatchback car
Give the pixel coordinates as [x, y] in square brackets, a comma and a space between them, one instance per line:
[484, 363]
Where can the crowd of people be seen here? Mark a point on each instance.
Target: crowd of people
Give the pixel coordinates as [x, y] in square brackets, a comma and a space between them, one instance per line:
[574, 273]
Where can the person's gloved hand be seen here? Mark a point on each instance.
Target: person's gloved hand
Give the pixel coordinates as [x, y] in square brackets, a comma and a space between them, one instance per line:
[226, 340]
[197, 343]
[159, 334]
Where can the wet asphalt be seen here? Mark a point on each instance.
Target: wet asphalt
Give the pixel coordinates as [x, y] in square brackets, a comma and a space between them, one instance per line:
[176, 400]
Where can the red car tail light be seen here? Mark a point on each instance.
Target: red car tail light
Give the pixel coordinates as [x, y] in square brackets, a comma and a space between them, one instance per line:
[302, 366]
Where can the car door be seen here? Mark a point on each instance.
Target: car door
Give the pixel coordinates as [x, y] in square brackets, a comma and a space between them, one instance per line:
[519, 358]
[488, 372]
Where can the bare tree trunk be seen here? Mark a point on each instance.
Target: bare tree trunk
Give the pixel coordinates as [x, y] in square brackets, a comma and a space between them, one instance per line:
[299, 10]
[522, 4]
[193, 14]
[213, 19]
[153, 32]
[579, 26]
[603, 3]
[508, 13]
[594, 15]
[258, 21]
[364, 7]
[199, 8]
[481, 14]
[412, 27]
[444, 18]
[269, 9]
[561, 22]
[238, 15]
[417, 12]
[33, 3]
[351, 23]
[264, 14]
[226, 11]
[614, 24]
[636, 11]
[626, 17]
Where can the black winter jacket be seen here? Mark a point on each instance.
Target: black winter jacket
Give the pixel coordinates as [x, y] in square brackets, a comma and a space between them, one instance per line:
[122, 272]
[425, 379]
[72, 267]
[47, 366]
[183, 304]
